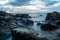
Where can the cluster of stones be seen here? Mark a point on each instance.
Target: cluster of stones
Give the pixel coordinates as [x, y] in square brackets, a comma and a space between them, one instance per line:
[8, 19]
[52, 22]
[23, 33]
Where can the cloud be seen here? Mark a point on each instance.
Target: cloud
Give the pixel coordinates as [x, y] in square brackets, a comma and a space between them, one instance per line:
[55, 5]
[19, 2]
[31, 6]
[4, 1]
[25, 9]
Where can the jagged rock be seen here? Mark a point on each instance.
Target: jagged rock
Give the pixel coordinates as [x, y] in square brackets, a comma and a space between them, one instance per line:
[23, 33]
[53, 16]
[48, 27]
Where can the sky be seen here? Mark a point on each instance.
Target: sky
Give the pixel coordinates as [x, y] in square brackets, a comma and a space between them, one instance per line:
[29, 6]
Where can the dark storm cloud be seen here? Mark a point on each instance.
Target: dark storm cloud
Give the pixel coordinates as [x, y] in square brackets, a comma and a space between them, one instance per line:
[19, 2]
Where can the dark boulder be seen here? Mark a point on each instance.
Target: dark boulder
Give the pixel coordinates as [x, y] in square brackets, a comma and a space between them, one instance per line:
[58, 35]
[41, 15]
[53, 16]
[38, 24]
[23, 15]
[1, 33]
[2, 13]
[48, 27]
[58, 38]
[23, 33]
[58, 22]
[27, 22]
[44, 38]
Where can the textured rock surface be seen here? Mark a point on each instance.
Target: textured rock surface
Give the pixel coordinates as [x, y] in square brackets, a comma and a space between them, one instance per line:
[26, 34]
[53, 16]
[48, 27]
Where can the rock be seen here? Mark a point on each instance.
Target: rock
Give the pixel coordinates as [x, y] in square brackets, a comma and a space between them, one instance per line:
[4, 35]
[27, 22]
[24, 33]
[58, 22]
[58, 35]
[1, 33]
[2, 13]
[41, 15]
[38, 23]
[44, 38]
[58, 38]
[53, 16]
[23, 15]
[48, 27]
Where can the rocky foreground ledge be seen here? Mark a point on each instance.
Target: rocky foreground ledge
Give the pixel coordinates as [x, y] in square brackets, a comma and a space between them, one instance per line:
[23, 33]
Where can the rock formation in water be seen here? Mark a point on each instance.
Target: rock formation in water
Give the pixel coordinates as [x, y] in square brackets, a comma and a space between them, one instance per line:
[53, 16]
[38, 24]
[23, 15]
[8, 19]
[27, 22]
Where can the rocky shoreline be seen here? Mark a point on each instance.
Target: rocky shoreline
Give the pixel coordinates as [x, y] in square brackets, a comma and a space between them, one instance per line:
[17, 26]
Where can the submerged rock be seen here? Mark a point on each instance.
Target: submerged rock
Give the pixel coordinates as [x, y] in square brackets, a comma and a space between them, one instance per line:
[48, 27]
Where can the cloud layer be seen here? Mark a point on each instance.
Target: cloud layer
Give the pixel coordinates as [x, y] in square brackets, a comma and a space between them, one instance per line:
[30, 6]
[19, 2]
